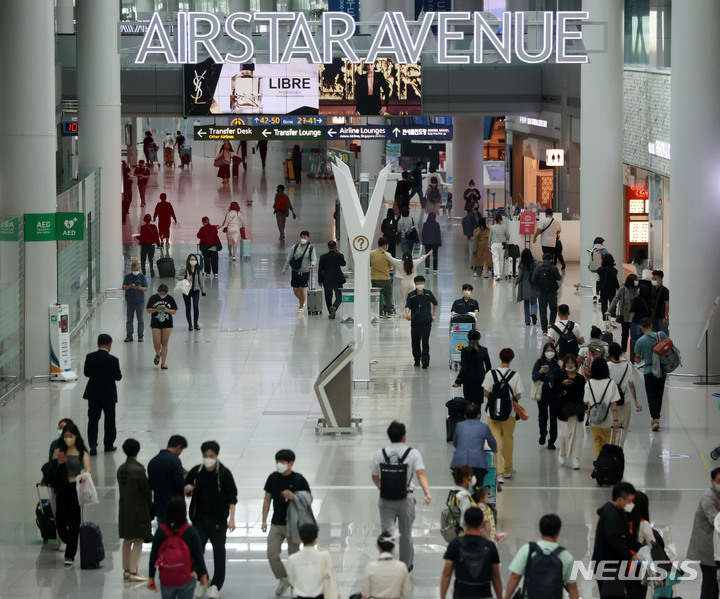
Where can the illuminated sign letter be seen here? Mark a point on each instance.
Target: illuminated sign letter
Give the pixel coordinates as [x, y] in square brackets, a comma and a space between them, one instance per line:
[445, 36]
[395, 47]
[414, 49]
[273, 19]
[240, 38]
[341, 38]
[547, 38]
[156, 29]
[301, 28]
[195, 38]
[181, 35]
[484, 29]
[563, 35]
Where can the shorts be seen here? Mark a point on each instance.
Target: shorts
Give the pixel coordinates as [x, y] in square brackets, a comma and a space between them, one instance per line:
[299, 279]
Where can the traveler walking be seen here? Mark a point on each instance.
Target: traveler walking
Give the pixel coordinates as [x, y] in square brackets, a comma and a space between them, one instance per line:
[380, 264]
[134, 510]
[481, 255]
[103, 371]
[420, 309]
[527, 292]
[134, 285]
[469, 441]
[169, 149]
[210, 245]
[546, 370]
[623, 374]
[661, 303]
[142, 173]
[597, 251]
[639, 309]
[640, 262]
[433, 196]
[466, 304]
[302, 259]
[503, 388]
[163, 214]
[471, 196]
[310, 571]
[548, 231]
[148, 239]
[179, 144]
[162, 306]
[181, 546]
[392, 471]
[331, 277]
[231, 227]
[386, 577]
[402, 193]
[73, 463]
[262, 148]
[416, 180]
[474, 560]
[193, 275]
[166, 475]
[545, 278]
[595, 348]
[565, 334]
[601, 397]
[297, 163]
[390, 231]
[558, 257]
[405, 273]
[432, 239]
[280, 489]
[546, 566]
[212, 508]
[700, 548]
[470, 222]
[620, 305]
[127, 192]
[608, 284]
[460, 495]
[654, 386]
[497, 240]
[222, 161]
[148, 144]
[642, 531]
[570, 412]
[474, 365]
[282, 209]
[408, 231]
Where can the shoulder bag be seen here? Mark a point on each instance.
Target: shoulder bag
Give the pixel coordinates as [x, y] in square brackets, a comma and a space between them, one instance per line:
[296, 263]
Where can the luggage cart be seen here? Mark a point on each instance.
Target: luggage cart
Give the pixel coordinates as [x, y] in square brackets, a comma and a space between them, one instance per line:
[460, 326]
[185, 156]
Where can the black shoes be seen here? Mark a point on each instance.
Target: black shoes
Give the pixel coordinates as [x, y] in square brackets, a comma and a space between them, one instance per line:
[551, 445]
[541, 440]
[93, 451]
[197, 327]
[417, 363]
[110, 449]
[534, 319]
[140, 339]
[332, 311]
[128, 340]
[425, 365]
[190, 327]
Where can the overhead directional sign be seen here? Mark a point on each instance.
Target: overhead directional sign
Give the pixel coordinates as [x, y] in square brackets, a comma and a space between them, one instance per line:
[329, 132]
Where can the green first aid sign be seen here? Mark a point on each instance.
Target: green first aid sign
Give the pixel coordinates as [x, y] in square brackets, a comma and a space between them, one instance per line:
[9, 229]
[70, 226]
[40, 227]
[52, 226]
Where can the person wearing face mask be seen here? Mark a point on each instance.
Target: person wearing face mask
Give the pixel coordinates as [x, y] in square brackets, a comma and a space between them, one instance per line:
[570, 411]
[302, 260]
[469, 441]
[420, 309]
[193, 274]
[660, 303]
[620, 304]
[162, 307]
[212, 510]
[701, 539]
[280, 488]
[497, 241]
[461, 494]
[613, 542]
[601, 397]
[466, 304]
[134, 285]
[282, 209]
[210, 246]
[654, 386]
[547, 370]
[623, 374]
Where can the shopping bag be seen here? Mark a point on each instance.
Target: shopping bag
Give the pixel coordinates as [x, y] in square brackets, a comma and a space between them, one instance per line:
[86, 492]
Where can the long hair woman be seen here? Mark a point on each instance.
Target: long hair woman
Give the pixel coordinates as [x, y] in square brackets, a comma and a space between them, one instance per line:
[193, 274]
[231, 226]
[527, 292]
[406, 271]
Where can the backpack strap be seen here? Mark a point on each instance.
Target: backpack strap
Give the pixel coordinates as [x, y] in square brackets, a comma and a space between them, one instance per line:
[569, 326]
[166, 530]
[622, 378]
[402, 459]
[385, 455]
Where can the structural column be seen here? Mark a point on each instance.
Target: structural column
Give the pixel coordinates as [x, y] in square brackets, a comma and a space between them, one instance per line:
[100, 138]
[694, 181]
[601, 133]
[467, 160]
[65, 15]
[28, 141]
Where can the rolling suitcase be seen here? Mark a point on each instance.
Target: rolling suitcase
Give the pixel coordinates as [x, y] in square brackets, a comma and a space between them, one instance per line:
[607, 335]
[456, 413]
[165, 265]
[609, 467]
[92, 551]
[245, 244]
[44, 517]
[510, 267]
[314, 298]
[185, 156]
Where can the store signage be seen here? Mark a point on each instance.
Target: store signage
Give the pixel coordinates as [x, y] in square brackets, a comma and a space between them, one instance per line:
[555, 157]
[658, 148]
[526, 120]
[9, 230]
[55, 226]
[286, 121]
[329, 132]
[393, 37]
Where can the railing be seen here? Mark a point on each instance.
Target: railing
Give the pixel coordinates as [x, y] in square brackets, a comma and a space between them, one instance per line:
[12, 307]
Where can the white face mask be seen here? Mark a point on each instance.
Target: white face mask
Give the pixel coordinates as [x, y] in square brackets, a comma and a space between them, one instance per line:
[69, 441]
[473, 481]
[209, 462]
[570, 368]
[467, 294]
[162, 295]
[637, 283]
[303, 241]
[419, 287]
[629, 507]
[136, 272]
[549, 355]
[717, 486]
[655, 283]
[192, 262]
[282, 467]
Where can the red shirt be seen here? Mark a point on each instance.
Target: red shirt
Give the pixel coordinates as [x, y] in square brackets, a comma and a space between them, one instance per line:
[149, 235]
[208, 235]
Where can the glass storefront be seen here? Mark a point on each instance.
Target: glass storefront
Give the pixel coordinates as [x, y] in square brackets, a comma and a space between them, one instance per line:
[647, 33]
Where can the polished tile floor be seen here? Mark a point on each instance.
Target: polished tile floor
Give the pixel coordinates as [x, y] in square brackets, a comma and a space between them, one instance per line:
[246, 380]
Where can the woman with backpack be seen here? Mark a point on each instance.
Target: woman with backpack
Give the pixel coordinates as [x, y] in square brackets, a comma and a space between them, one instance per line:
[474, 363]
[177, 553]
[623, 374]
[481, 258]
[389, 228]
[433, 196]
[405, 273]
[282, 209]
[432, 239]
[570, 412]
[601, 397]
[527, 292]
[546, 370]
[608, 283]
[594, 348]
[621, 305]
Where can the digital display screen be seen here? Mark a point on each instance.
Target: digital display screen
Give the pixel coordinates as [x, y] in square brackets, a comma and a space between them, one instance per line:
[636, 207]
[69, 127]
[638, 231]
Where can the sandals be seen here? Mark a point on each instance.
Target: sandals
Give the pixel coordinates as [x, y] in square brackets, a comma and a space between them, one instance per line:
[156, 359]
[164, 367]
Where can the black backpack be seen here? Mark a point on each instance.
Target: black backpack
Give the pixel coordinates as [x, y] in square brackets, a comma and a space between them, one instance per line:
[295, 262]
[501, 397]
[543, 279]
[567, 342]
[433, 194]
[393, 477]
[543, 574]
[471, 561]
[621, 401]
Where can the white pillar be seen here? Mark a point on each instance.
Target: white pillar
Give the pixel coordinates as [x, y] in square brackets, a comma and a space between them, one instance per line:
[694, 181]
[28, 185]
[372, 151]
[467, 160]
[65, 16]
[601, 134]
[100, 136]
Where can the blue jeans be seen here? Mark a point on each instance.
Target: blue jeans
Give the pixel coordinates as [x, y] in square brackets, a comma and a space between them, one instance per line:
[635, 333]
[185, 591]
[547, 300]
[406, 245]
[530, 307]
[659, 327]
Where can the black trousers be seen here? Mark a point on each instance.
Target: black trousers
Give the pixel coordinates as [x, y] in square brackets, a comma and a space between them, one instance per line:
[549, 250]
[210, 530]
[558, 254]
[420, 339]
[141, 191]
[547, 407]
[329, 291]
[709, 585]
[210, 258]
[147, 251]
[545, 301]
[194, 298]
[473, 392]
[654, 387]
[95, 410]
[67, 517]
[435, 251]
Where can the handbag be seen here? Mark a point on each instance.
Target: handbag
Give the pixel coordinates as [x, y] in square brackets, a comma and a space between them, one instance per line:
[224, 229]
[183, 286]
[573, 409]
[536, 391]
[86, 492]
[520, 411]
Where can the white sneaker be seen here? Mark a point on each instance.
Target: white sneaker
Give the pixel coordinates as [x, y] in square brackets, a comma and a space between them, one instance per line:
[576, 463]
[561, 460]
[283, 585]
[60, 546]
[500, 479]
[135, 577]
[200, 591]
[510, 474]
[213, 592]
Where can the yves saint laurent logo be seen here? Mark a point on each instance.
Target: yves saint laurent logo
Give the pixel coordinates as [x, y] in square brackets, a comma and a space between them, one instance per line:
[197, 83]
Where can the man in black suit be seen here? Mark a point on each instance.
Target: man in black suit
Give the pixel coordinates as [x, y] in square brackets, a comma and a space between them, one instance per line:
[331, 277]
[102, 370]
[367, 92]
[166, 475]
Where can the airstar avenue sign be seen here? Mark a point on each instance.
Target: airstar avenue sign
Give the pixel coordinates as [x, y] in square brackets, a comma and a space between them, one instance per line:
[557, 33]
